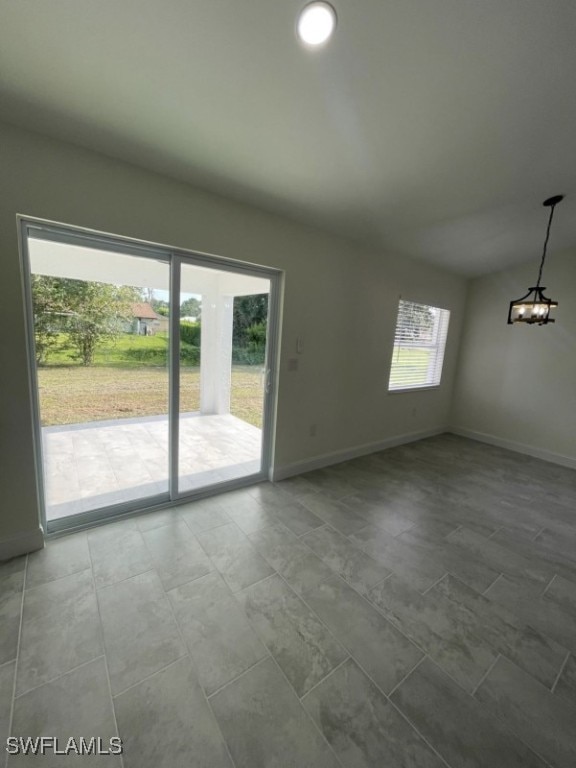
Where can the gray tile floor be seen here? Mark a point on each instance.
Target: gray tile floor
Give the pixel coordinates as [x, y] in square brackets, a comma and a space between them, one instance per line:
[411, 609]
[99, 463]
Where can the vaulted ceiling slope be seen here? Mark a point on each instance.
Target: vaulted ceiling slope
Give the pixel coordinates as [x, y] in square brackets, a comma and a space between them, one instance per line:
[433, 128]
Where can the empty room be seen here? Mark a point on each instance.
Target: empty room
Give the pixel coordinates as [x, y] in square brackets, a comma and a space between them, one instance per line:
[288, 384]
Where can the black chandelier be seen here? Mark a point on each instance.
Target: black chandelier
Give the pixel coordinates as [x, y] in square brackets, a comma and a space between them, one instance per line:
[535, 307]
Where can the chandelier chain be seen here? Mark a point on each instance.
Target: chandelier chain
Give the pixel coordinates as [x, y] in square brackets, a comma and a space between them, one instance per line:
[545, 245]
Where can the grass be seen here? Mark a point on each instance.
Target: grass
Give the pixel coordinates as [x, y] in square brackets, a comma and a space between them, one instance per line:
[118, 385]
[126, 351]
[412, 361]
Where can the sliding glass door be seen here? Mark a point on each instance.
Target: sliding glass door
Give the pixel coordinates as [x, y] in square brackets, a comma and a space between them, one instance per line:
[223, 327]
[151, 371]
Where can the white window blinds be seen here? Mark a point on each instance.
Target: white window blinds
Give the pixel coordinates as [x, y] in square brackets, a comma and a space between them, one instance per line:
[418, 346]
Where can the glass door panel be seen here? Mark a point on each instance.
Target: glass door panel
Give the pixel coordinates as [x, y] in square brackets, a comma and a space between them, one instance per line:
[223, 337]
[102, 348]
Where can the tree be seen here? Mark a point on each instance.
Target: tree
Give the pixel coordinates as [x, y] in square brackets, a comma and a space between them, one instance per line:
[248, 311]
[192, 307]
[160, 306]
[49, 306]
[416, 321]
[88, 312]
[97, 312]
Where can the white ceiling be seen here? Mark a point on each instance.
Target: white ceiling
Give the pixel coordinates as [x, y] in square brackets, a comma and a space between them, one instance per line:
[428, 127]
[48, 257]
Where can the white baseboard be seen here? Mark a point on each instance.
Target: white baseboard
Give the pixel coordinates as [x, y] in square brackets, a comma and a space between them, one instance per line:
[21, 544]
[511, 445]
[337, 457]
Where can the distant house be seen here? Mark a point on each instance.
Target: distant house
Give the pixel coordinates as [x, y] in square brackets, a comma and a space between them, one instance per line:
[145, 321]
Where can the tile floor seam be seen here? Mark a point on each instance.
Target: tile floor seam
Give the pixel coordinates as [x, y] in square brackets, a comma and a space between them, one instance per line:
[58, 578]
[332, 671]
[516, 735]
[489, 587]
[328, 630]
[422, 650]
[540, 532]
[254, 583]
[406, 530]
[560, 671]
[318, 527]
[449, 675]
[57, 677]
[425, 592]
[101, 624]
[397, 708]
[308, 716]
[153, 512]
[549, 585]
[412, 725]
[109, 685]
[220, 731]
[378, 583]
[190, 581]
[17, 659]
[339, 573]
[371, 605]
[323, 623]
[126, 578]
[485, 675]
[546, 763]
[171, 607]
[239, 676]
[382, 613]
[193, 665]
[195, 533]
[240, 531]
[151, 675]
[407, 675]
[277, 523]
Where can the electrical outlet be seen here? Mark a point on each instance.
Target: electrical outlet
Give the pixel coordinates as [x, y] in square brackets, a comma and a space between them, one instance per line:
[293, 364]
[313, 430]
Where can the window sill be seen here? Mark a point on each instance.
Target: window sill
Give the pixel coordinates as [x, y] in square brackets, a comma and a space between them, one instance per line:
[413, 389]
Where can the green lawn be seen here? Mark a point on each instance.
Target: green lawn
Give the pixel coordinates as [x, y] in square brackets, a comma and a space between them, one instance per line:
[127, 350]
[129, 378]
[415, 361]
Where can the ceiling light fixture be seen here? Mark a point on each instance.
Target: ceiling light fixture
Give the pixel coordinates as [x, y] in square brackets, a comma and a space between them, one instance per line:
[316, 23]
[535, 307]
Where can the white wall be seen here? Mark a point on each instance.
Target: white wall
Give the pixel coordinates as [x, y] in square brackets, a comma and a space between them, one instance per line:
[516, 384]
[340, 298]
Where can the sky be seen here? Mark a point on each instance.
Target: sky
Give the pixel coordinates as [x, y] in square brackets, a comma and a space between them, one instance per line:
[165, 295]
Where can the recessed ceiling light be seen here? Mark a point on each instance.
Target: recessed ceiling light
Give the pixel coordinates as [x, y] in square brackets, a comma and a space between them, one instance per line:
[316, 23]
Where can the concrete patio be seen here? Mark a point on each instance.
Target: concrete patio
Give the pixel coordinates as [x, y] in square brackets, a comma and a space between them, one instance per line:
[95, 464]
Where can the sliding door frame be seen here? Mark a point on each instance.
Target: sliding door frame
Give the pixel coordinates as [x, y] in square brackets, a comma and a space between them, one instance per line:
[174, 258]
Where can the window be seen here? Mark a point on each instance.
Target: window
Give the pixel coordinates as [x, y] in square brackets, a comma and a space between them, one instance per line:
[418, 346]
